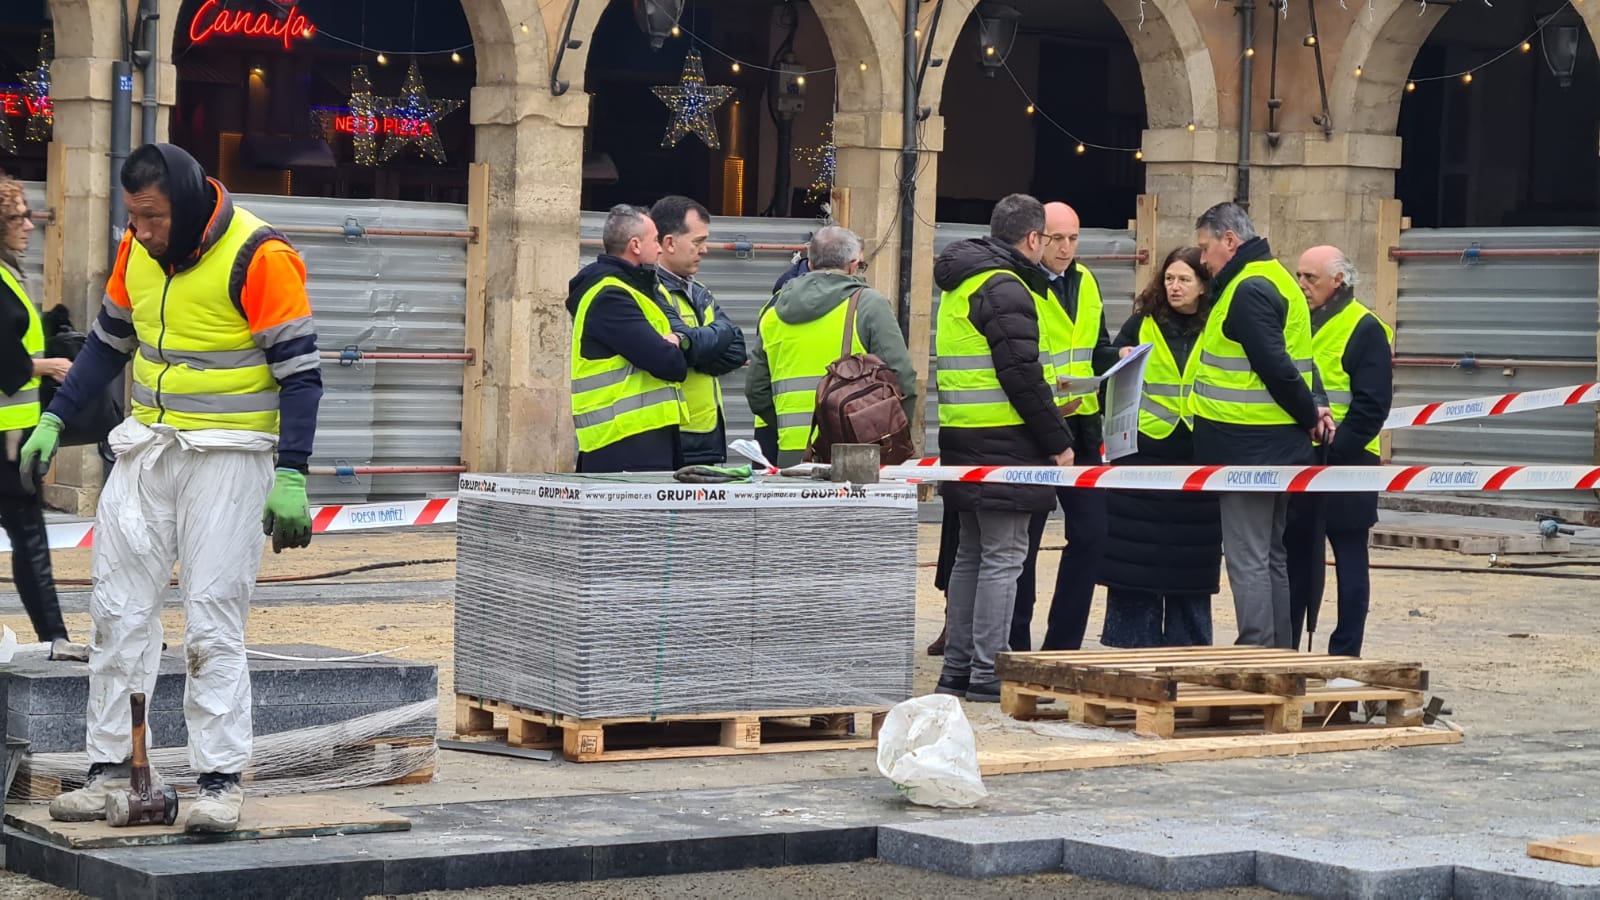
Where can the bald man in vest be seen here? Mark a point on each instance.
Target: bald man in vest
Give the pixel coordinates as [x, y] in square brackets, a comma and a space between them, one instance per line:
[1353, 352]
[211, 303]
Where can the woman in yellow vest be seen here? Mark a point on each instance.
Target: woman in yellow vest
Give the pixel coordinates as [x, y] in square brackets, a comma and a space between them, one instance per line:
[22, 363]
[1163, 550]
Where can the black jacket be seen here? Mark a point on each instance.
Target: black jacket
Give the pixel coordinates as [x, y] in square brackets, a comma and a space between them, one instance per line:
[1003, 312]
[715, 349]
[1167, 542]
[615, 326]
[1256, 318]
[1370, 363]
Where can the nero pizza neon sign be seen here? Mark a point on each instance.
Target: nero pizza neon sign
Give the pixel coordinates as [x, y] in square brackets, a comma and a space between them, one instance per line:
[213, 20]
[353, 124]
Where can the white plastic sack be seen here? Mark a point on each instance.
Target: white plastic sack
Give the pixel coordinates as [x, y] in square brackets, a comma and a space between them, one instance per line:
[927, 749]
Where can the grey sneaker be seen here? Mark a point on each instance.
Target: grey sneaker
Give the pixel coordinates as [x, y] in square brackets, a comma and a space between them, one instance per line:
[216, 808]
[89, 802]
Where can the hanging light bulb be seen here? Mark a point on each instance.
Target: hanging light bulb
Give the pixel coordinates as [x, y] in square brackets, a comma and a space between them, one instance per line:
[736, 68]
[916, 33]
[1138, 154]
[455, 57]
[800, 80]
[1030, 109]
[1081, 149]
[863, 67]
[1191, 126]
[383, 60]
[1249, 51]
[1411, 86]
[1467, 78]
[1358, 71]
[1526, 47]
[524, 27]
[1310, 40]
[676, 31]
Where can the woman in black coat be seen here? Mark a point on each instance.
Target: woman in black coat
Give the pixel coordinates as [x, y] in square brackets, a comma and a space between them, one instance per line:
[1164, 548]
[21, 512]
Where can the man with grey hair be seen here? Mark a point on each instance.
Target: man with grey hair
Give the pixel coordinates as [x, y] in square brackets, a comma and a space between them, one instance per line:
[1352, 347]
[627, 364]
[802, 331]
[1253, 405]
[995, 408]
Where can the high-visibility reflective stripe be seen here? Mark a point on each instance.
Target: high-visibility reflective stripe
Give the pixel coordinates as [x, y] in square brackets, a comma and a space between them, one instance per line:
[626, 405]
[602, 380]
[986, 395]
[264, 401]
[794, 420]
[1340, 397]
[1303, 366]
[204, 359]
[1159, 411]
[965, 363]
[1236, 395]
[119, 344]
[1081, 355]
[796, 385]
[20, 398]
[1163, 390]
[305, 362]
[1225, 363]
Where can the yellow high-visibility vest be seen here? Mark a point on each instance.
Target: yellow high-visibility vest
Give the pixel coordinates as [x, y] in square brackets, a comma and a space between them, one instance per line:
[970, 395]
[21, 410]
[798, 355]
[611, 398]
[702, 393]
[1165, 401]
[1226, 389]
[1072, 342]
[1328, 345]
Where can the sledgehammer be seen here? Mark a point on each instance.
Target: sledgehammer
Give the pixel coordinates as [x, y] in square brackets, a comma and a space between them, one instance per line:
[140, 804]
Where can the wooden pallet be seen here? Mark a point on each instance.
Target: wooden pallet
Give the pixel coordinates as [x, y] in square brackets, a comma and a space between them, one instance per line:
[1477, 542]
[675, 736]
[1224, 689]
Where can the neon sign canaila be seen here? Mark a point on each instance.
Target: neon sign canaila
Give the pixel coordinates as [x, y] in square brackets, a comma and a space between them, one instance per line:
[212, 19]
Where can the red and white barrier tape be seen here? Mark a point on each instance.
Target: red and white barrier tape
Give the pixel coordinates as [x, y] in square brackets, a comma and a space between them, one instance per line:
[324, 519]
[1266, 479]
[1500, 405]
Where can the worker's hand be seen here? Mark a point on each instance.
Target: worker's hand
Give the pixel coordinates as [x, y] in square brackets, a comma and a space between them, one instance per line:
[287, 516]
[1064, 458]
[1123, 353]
[39, 449]
[1069, 407]
[1325, 427]
[672, 338]
[52, 367]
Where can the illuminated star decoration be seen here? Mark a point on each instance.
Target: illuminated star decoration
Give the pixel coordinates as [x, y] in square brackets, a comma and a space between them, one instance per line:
[822, 161]
[418, 119]
[364, 113]
[692, 102]
[36, 94]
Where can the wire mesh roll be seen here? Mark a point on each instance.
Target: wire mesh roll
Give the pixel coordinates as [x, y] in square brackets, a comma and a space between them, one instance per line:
[619, 596]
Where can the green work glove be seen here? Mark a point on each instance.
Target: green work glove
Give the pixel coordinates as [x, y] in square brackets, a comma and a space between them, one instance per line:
[287, 516]
[713, 474]
[39, 450]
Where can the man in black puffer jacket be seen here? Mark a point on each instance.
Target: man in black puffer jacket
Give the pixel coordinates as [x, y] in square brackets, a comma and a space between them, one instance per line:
[995, 408]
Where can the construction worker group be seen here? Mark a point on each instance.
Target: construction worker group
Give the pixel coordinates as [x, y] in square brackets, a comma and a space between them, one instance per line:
[1249, 364]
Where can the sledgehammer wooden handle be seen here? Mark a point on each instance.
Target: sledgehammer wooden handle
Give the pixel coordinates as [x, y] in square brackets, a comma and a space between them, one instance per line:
[139, 778]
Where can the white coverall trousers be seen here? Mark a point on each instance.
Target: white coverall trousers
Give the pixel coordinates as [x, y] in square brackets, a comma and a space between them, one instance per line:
[194, 497]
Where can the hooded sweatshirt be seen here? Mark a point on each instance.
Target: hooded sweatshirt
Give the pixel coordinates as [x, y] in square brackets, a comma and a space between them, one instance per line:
[813, 295]
[272, 300]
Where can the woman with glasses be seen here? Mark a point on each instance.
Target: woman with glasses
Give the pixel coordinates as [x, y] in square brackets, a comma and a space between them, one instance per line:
[22, 364]
[1164, 548]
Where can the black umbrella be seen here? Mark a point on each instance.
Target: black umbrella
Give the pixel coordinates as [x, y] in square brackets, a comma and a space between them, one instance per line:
[1319, 569]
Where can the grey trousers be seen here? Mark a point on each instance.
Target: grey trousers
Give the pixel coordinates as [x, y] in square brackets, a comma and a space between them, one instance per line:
[1258, 566]
[983, 591]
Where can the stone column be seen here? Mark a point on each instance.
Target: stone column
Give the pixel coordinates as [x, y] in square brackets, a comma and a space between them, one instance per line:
[533, 143]
[78, 241]
[1315, 190]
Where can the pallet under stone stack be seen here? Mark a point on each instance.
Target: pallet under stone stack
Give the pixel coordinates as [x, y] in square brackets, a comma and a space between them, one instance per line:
[631, 596]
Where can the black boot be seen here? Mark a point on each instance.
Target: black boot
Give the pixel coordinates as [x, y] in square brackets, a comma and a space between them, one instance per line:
[23, 519]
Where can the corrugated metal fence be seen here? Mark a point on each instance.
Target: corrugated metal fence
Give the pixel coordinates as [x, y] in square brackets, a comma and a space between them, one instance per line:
[1537, 311]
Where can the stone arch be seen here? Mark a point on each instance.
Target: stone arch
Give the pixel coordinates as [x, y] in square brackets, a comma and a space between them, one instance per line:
[1168, 44]
[506, 56]
[1384, 45]
[96, 31]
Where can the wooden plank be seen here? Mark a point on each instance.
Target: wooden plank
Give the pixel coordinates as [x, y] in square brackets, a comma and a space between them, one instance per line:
[471, 717]
[476, 314]
[1100, 754]
[1578, 850]
[1134, 685]
[299, 815]
[1386, 283]
[839, 206]
[1145, 239]
[1405, 676]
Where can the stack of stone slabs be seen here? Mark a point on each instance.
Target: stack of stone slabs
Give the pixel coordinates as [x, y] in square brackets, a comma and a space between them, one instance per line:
[615, 596]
